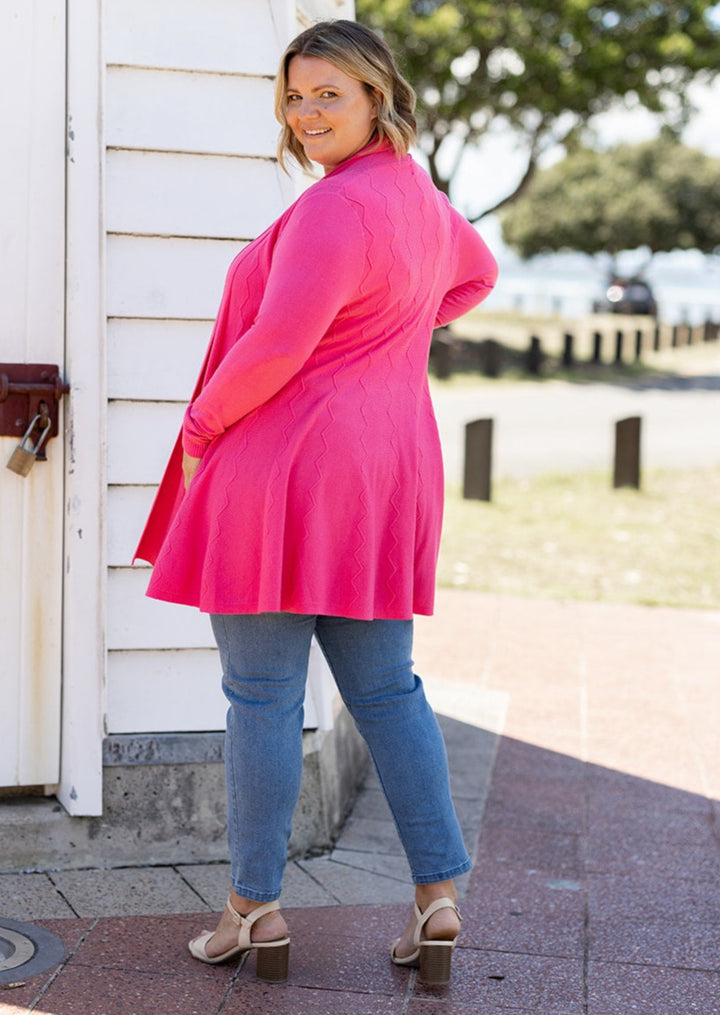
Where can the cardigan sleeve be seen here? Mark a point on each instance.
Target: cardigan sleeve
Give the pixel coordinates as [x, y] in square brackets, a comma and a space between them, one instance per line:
[316, 268]
[476, 272]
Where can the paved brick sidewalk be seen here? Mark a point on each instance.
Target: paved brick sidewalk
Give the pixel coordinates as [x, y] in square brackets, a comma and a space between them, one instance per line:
[583, 741]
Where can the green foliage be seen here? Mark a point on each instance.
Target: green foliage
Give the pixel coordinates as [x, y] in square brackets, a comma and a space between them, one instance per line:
[659, 194]
[542, 67]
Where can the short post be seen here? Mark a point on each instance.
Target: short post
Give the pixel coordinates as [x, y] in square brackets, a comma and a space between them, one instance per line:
[627, 453]
[568, 358]
[534, 356]
[656, 337]
[478, 460]
[440, 350]
[638, 344]
[674, 341]
[491, 357]
[597, 347]
[618, 346]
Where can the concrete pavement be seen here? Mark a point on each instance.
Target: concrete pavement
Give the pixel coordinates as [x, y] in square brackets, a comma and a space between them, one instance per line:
[583, 746]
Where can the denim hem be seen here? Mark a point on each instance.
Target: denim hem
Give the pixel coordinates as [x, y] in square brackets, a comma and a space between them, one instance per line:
[249, 893]
[447, 875]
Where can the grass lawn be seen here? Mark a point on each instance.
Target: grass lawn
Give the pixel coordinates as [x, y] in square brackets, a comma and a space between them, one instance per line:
[575, 537]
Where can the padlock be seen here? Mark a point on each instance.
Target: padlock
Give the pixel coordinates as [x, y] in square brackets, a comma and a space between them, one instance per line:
[23, 458]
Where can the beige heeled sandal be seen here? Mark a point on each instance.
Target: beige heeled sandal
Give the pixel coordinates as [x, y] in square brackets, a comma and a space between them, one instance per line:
[432, 958]
[272, 956]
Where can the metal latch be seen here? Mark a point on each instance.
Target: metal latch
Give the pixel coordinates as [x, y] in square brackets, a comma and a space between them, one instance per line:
[28, 392]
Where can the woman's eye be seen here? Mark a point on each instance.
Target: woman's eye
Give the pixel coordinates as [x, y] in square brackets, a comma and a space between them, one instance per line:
[295, 99]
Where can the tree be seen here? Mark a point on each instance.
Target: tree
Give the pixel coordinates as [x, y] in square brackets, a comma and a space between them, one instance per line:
[541, 68]
[660, 195]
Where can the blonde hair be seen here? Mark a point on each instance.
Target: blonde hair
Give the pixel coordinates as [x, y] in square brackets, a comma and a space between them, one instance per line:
[361, 54]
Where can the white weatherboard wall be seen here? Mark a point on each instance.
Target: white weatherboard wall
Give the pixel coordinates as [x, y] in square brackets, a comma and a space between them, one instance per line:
[32, 314]
[190, 177]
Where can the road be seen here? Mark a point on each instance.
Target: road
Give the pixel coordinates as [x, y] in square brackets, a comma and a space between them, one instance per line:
[554, 426]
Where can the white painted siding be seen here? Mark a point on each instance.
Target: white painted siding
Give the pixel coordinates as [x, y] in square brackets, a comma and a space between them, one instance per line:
[226, 36]
[130, 673]
[174, 343]
[178, 111]
[149, 276]
[165, 194]
[139, 439]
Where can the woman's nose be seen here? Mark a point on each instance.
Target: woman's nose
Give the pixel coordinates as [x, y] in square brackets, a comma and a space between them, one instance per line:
[307, 108]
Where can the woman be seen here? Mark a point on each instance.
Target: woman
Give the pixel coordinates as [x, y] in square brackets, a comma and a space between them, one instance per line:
[306, 497]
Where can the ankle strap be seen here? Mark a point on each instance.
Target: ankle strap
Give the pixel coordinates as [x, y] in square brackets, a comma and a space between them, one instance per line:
[244, 923]
[423, 917]
[253, 915]
[444, 903]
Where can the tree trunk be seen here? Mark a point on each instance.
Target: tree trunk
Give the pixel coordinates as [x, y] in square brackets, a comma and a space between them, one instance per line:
[440, 182]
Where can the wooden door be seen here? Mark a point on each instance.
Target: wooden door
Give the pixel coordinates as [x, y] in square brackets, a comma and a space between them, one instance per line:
[32, 287]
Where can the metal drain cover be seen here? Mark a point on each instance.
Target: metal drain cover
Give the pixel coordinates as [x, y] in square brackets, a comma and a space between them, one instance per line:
[26, 950]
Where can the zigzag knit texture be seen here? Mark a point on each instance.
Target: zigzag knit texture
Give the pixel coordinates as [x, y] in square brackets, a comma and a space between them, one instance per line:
[320, 488]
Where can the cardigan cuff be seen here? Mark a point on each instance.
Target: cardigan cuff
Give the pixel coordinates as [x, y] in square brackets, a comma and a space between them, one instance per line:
[192, 446]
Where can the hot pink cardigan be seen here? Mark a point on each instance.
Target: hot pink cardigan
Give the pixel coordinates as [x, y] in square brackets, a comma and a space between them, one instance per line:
[321, 488]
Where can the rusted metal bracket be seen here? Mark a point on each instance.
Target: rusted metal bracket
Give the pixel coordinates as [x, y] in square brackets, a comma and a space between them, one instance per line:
[28, 390]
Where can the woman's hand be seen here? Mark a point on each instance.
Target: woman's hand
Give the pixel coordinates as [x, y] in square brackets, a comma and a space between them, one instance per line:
[189, 467]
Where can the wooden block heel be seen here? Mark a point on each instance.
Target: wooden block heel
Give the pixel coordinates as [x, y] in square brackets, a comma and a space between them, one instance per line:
[433, 958]
[273, 961]
[435, 961]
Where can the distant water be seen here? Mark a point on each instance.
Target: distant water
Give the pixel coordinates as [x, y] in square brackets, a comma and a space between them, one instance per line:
[686, 286]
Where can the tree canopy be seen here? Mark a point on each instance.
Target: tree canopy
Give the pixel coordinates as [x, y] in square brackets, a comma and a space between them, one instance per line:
[659, 194]
[541, 68]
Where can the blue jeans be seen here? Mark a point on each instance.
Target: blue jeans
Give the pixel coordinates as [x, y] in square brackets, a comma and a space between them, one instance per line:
[264, 659]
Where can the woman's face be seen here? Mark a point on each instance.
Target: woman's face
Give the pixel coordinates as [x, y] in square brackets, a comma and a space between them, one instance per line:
[332, 115]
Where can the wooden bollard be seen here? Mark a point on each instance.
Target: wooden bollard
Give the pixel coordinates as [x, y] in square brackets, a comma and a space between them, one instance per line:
[656, 337]
[638, 344]
[627, 453]
[478, 460]
[567, 357]
[441, 351]
[597, 347]
[534, 356]
[618, 346]
[491, 357]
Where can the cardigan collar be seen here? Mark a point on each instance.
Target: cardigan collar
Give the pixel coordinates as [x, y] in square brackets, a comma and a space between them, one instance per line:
[373, 147]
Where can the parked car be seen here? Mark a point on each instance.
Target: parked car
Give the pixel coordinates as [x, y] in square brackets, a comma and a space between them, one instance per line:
[627, 296]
